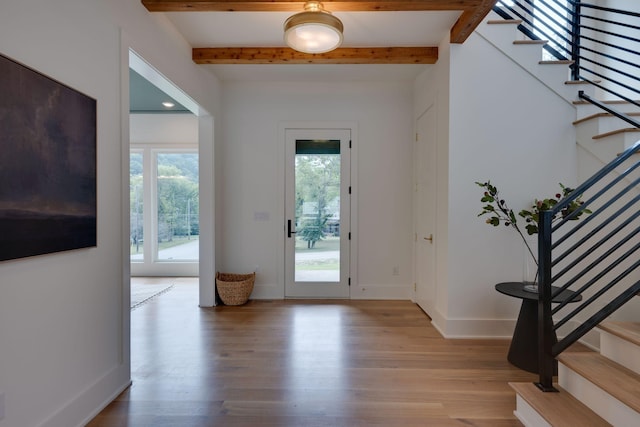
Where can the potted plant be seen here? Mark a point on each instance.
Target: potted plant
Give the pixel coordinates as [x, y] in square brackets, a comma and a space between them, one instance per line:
[499, 213]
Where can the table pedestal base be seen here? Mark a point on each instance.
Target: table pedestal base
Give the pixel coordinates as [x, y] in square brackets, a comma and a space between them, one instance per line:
[523, 352]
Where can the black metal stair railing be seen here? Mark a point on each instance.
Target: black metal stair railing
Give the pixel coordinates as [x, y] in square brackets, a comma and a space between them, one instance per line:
[602, 42]
[596, 257]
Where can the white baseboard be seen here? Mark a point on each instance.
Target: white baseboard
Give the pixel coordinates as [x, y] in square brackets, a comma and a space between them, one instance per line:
[358, 292]
[389, 292]
[89, 402]
[267, 292]
[106, 403]
[474, 328]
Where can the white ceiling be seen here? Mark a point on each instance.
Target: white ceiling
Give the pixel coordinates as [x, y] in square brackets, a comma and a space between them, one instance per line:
[361, 29]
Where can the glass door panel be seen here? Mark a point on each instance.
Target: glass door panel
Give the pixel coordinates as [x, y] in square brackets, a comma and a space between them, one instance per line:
[317, 186]
[317, 213]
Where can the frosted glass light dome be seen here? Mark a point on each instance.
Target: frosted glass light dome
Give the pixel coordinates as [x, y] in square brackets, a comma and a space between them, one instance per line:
[314, 30]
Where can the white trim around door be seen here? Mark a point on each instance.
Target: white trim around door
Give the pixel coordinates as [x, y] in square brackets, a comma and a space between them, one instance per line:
[348, 260]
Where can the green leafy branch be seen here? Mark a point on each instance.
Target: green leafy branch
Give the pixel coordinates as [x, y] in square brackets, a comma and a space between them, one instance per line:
[500, 213]
[573, 211]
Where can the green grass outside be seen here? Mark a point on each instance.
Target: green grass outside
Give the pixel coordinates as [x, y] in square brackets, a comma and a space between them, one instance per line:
[316, 267]
[331, 243]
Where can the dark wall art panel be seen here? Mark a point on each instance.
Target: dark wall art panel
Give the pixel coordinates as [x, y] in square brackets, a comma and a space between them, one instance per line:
[47, 164]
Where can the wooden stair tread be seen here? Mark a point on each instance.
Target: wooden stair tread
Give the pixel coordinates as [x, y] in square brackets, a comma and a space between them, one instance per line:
[637, 153]
[580, 82]
[504, 21]
[609, 102]
[540, 42]
[628, 331]
[616, 132]
[556, 62]
[618, 381]
[558, 409]
[597, 115]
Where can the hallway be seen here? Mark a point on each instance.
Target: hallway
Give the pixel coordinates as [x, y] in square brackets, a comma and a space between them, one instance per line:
[306, 363]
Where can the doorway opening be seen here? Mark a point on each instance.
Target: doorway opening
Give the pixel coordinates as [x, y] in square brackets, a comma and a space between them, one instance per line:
[164, 182]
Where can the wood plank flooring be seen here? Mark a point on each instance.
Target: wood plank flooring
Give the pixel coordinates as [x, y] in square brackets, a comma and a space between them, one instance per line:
[307, 363]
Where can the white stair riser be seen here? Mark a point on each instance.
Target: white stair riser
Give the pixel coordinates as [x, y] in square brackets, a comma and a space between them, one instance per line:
[527, 415]
[528, 57]
[555, 74]
[609, 408]
[588, 89]
[505, 33]
[605, 149]
[608, 148]
[620, 351]
[631, 138]
[608, 124]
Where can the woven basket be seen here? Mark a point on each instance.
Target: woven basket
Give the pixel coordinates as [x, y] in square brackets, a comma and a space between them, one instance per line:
[234, 289]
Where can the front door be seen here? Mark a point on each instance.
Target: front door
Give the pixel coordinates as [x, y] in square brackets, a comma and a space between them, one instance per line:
[317, 212]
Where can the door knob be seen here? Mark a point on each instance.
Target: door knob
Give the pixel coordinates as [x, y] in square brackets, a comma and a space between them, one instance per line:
[430, 238]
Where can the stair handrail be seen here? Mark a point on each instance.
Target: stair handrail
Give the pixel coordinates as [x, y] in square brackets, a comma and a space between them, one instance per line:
[549, 288]
[612, 111]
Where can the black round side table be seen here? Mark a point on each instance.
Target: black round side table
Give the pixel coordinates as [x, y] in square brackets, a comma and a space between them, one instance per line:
[523, 351]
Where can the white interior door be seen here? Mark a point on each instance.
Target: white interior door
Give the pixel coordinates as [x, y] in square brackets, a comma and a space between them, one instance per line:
[426, 239]
[317, 211]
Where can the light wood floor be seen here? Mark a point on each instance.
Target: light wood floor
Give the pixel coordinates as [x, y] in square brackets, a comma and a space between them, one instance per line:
[307, 363]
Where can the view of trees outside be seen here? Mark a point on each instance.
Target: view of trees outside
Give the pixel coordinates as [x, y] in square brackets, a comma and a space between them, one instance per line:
[136, 205]
[317, 218]
[178, 224]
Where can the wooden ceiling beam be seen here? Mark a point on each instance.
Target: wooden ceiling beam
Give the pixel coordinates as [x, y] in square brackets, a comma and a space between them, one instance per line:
[469, 20]
[473, 11]
[297, 5]
[270, 55]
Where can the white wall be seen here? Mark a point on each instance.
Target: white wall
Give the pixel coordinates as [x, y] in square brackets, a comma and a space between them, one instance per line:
[432, 89]
[174, 129]
[509, 128]
[64, 317]
[250, 180]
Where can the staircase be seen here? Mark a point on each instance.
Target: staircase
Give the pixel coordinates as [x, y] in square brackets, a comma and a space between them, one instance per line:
[594, 388]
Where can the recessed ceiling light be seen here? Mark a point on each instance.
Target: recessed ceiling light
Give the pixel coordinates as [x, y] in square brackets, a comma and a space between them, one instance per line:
[168, 104]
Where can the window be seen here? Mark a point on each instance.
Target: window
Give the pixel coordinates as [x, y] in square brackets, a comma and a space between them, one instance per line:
[164, 204]
[178, 227]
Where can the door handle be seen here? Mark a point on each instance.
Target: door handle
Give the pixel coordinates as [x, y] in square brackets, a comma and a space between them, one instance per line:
[430, 238]
[289, 232]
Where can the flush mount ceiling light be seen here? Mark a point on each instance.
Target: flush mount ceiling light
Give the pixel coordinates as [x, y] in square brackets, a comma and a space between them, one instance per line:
[313, 31]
